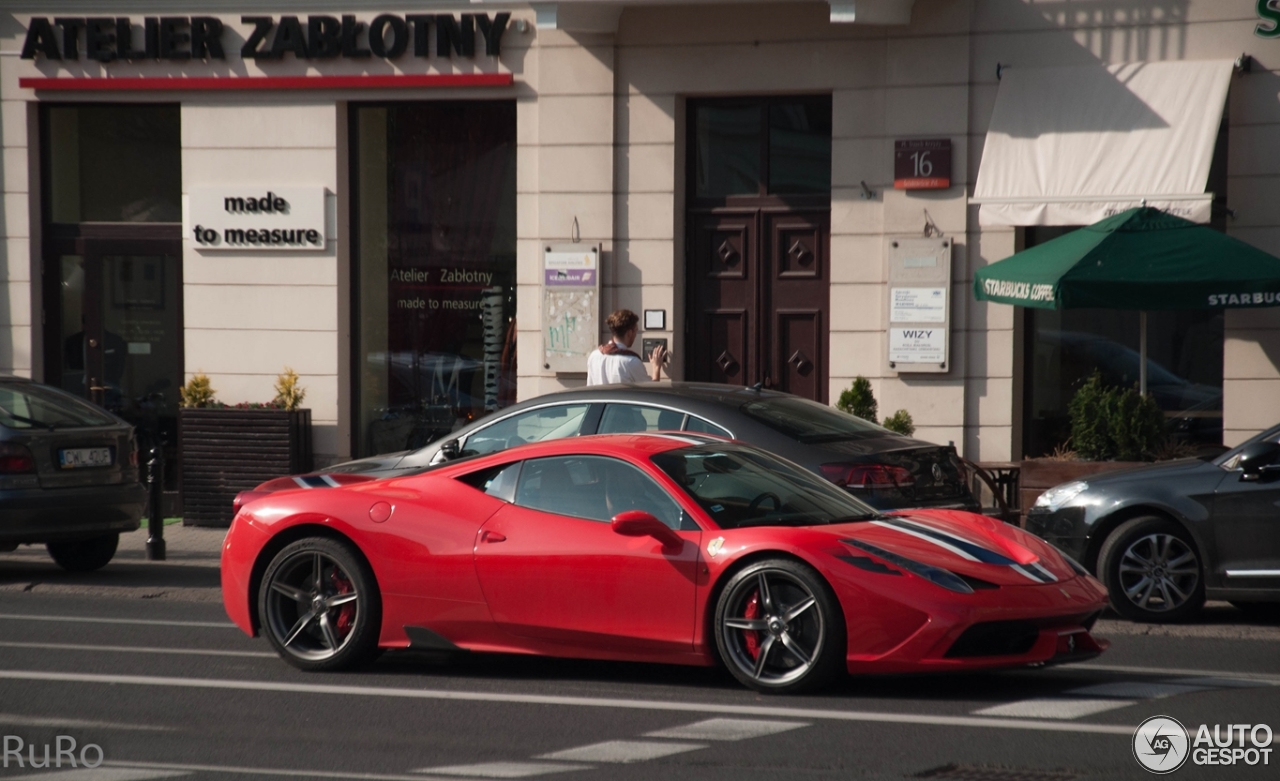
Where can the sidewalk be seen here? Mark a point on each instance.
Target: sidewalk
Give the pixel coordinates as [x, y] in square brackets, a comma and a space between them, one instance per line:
[189, 572]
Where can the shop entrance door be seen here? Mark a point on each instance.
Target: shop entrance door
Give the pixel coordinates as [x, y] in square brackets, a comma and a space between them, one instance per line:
[760, 299]
[758, 243]
[113, 326]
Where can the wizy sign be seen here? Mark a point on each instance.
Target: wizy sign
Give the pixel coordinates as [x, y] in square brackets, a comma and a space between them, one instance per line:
[246, 218]
[106, 39]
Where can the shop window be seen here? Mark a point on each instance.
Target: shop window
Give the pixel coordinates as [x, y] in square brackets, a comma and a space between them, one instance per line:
[119, 163]
[1064, 347]
[434, 249]
[762, 146]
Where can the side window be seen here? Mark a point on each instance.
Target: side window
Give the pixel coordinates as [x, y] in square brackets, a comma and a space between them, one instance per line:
[498, 481]
[706, 427]
[594, 488]
[630, 418]
[556, 422]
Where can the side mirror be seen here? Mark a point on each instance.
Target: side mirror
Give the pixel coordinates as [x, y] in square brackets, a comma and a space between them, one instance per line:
[450, 450]
[638, 523]
[1258, 458]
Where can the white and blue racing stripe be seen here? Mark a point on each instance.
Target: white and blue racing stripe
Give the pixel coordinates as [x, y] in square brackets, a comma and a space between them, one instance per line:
[968, 550]
[316, 481]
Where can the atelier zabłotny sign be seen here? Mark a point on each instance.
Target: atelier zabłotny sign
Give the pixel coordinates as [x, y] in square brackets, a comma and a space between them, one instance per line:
[388, 36]
[240, 218]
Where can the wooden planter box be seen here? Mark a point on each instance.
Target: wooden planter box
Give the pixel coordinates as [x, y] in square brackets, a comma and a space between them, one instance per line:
[1038, 475]
[225, 451]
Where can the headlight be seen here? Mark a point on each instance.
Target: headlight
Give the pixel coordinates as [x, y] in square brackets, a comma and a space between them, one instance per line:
[1058, 496]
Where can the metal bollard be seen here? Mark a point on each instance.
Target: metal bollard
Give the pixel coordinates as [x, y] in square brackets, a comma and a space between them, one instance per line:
[155, 518]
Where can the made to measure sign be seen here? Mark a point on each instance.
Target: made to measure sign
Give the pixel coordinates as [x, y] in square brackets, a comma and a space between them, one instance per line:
[256, 218]
[922, 164]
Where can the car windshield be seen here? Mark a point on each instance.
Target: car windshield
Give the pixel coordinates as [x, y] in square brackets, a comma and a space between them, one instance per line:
[739, 487]
[810, 422]
[27, 405]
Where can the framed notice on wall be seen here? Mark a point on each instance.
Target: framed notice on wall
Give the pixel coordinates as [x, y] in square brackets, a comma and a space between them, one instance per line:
[919, 308]
[570, 306]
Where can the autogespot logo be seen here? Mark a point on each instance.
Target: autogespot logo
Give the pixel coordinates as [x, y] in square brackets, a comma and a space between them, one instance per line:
[1160, 744]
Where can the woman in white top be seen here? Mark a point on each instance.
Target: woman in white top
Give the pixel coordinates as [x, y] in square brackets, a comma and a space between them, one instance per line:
[615, 362]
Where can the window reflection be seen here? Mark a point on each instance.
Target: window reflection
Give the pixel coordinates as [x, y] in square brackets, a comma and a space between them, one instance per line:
[435, 247]
[1064, 347]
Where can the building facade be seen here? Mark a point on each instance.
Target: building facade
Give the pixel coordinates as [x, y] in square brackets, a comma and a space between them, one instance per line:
[427, 210]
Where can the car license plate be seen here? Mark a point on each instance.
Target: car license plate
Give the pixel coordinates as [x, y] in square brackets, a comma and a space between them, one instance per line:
[79, 457]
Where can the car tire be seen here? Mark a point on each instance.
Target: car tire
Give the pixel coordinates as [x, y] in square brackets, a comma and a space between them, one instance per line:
[320, 607]
[779, 628]
[84, 555]
[1152, 571]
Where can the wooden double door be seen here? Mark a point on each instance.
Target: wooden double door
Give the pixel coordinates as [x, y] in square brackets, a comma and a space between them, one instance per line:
[759, 293]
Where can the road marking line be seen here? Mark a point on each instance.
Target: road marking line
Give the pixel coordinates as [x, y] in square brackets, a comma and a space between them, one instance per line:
[100, 774]
[622, 751]
[502, 769]
[1219, 683]
[580, 702]
[134, 649]
[138, 621]
[1274, 680]
[260, 771]
[726, 729]
[1053, 708]
[18, 720]
[1136, 690]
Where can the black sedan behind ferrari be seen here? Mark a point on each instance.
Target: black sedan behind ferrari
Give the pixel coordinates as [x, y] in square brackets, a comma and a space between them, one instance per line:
[1165, 538]
[884, 469]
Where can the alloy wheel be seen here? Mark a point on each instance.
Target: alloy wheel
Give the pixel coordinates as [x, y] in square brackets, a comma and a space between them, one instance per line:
[312, 605]
[772, 630]
[1159, 572]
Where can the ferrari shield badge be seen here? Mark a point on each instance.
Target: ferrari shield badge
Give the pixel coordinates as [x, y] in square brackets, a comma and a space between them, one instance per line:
[714, 546]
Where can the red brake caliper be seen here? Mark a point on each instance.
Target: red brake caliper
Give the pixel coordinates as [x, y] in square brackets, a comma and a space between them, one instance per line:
[347, 612]
[751, 636]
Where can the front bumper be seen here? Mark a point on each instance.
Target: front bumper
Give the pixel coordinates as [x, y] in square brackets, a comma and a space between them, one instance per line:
[1006, 627]
[34, 515]
[1066, 528]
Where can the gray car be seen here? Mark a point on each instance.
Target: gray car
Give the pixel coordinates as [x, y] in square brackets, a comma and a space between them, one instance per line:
[68, 475]
[1164, 538]
[885, 469]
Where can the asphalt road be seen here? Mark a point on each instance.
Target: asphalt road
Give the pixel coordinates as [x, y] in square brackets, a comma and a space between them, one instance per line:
[140, 661]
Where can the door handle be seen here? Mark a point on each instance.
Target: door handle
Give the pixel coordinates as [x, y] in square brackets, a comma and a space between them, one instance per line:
[488, 536]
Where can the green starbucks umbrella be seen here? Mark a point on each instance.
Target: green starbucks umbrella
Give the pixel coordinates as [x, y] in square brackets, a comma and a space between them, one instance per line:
[1141, 259]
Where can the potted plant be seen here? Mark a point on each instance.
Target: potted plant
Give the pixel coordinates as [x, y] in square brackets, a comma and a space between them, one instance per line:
[1111, 428]
[226, 449]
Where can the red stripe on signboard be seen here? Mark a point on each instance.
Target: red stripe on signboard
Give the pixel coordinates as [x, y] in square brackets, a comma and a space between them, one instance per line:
[147, 83]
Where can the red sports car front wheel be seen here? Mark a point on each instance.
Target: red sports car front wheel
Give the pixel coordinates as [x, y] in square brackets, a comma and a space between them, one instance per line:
[779, 628]
[319, 605]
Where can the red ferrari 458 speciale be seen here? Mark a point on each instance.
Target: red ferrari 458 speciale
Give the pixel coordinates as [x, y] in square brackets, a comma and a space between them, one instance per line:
[671, 548]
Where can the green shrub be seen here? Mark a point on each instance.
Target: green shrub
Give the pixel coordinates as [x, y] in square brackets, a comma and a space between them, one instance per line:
[858, 400]
[198, 392]
[901, 423]
[289, 394]
[1115, 424]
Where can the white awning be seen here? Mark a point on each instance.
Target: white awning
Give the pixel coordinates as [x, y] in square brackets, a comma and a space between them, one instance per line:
[1073, 145]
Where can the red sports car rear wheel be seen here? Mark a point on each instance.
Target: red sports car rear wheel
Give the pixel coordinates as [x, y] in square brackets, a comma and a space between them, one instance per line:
[319, 605]
[779, 628]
